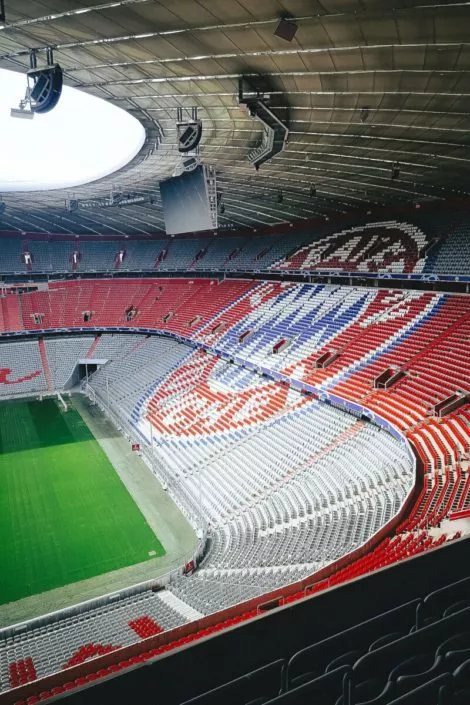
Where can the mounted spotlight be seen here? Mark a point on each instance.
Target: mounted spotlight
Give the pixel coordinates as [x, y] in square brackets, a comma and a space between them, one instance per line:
[395, 171]
[43, 90]
[22, 111]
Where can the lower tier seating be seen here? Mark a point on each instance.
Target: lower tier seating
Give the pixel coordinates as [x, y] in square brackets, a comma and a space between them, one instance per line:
[205, 417]
[414, 654]
[21, 374]
[310, 492]
[278, 489]
[73, 639]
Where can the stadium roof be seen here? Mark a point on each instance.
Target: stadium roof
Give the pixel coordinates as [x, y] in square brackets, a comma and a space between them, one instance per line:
[362, 86]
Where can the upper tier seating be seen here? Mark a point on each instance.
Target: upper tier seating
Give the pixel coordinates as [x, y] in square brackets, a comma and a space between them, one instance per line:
[453, 255]
[179, 305]
[217, 252]
[139, 255]
[181, 254]
[388, 246]
[428, 241]
[67, 641]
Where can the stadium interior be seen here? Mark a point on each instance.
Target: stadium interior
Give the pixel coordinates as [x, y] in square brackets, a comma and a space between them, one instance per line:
[234, 372]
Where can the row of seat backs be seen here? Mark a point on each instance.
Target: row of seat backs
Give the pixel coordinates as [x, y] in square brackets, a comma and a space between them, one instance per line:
[348, 646]
[333, 665]
[334, 688]
[250, 689]
[441, 602]
[410, 661]
[377, 631]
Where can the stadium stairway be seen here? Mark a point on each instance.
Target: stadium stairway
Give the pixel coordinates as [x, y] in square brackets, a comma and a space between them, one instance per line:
[45, 365]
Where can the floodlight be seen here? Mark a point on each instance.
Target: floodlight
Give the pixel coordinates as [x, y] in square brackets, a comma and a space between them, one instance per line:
[20, 112]
[43, 90]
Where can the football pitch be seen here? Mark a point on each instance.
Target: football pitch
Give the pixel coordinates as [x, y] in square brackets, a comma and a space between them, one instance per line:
[65, 514]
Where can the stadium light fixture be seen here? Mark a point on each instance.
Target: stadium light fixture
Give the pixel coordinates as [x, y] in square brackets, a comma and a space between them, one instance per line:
[22, 111]
[39, 154]
[43, 90]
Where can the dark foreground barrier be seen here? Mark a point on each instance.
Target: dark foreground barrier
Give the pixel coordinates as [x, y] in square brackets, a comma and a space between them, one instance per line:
[280, 634]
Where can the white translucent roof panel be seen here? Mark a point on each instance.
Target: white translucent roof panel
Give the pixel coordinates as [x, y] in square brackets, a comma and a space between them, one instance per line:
[83, 139]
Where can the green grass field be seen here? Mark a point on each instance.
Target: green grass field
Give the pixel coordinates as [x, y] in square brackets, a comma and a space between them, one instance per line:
[65, 515]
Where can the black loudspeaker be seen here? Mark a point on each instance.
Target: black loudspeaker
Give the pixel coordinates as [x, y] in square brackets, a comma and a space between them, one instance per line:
[286, 29]
[46, 88]
[189, 135]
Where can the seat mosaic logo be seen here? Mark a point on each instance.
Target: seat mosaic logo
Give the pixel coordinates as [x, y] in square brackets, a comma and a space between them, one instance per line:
[5, 372]
[375, 247]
